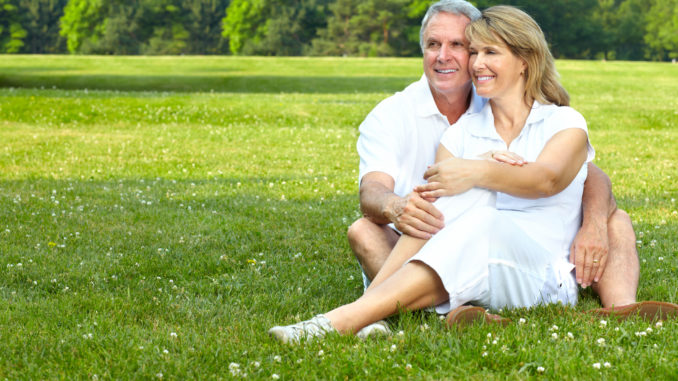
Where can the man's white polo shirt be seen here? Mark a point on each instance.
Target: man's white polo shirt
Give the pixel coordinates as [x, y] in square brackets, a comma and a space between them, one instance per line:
[400, 136]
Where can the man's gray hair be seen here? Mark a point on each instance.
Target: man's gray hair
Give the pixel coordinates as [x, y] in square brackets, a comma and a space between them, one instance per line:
[457, 7]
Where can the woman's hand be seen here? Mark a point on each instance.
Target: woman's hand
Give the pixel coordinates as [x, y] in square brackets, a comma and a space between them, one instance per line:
[449, 177]
[506, 157]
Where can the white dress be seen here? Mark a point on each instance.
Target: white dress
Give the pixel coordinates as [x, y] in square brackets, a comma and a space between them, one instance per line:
[497, 250]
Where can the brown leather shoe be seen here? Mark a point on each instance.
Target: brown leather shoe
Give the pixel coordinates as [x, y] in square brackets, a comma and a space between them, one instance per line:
[648, 310]
[466, 315]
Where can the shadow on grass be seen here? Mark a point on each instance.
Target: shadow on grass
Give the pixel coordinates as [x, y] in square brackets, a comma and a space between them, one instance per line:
[216, 83]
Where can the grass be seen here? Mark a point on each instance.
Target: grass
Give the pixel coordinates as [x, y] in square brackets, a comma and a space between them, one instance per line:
[158, 215]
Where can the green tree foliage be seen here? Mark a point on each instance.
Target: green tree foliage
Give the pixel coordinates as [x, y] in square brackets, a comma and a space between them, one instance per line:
[272, 27]
[142, 26]
[662, 29]
[366, 28]
[204, 26]
[82, 22]
[629, 32]
[40, 18]
[12, 34]
[609, 29]
[244, 23]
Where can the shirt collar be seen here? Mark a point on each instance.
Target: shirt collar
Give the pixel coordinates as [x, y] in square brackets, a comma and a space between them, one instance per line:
[426, 105]
[482, 124]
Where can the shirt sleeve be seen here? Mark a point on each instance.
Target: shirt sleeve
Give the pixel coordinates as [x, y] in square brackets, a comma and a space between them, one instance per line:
[378, 145]
[453, 139]
[567, 117]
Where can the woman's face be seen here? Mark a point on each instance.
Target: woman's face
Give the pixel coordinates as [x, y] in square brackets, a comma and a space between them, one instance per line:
[495, 70]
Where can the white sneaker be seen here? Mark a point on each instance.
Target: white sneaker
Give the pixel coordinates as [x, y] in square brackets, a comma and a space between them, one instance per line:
[379, 328]
[318, 326]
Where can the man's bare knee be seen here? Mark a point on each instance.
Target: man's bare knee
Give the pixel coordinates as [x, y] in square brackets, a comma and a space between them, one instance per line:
[371, 243]
[621, 232]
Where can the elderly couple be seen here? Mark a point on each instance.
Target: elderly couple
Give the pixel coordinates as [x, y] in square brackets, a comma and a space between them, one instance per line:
[483, 172]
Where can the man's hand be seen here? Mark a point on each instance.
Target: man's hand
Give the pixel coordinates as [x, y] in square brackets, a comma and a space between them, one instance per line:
[589, 253]
[415, 216]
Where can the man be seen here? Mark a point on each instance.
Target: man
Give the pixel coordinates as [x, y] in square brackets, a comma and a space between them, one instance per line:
[398, 141]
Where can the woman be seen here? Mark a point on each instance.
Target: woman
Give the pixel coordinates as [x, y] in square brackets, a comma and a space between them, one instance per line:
[508, 228]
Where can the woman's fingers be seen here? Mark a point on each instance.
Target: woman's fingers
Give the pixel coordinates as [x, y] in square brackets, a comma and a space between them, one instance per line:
[508, 158]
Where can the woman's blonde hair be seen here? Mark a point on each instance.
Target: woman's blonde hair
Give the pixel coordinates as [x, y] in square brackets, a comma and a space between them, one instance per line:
[525, 39]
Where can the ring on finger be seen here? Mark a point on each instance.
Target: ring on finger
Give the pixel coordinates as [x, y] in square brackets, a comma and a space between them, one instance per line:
[595, 261]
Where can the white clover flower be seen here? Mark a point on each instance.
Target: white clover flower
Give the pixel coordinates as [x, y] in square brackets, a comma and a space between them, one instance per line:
[607, 364]
[601, 341]
[158, 375]
[256, 364]
[393, 348]
[173, 335]
[401, 333]
[408, 366]
[321, 353]
[522, 321]
[484, 354]
[540, 369]
[554, 328]
[277, 358]
[603, 323]
[274, 375]
[165, 351]
[659, 324]
[554, 336]
[570, 335]
[596, 365]
[648, 330]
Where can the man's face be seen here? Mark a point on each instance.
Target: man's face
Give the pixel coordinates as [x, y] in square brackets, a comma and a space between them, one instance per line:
[446, 54]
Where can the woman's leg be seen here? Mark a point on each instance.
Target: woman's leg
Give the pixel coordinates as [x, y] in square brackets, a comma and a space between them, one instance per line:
[413, 286]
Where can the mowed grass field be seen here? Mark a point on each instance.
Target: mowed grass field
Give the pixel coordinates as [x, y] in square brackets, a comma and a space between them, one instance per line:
[158, 215]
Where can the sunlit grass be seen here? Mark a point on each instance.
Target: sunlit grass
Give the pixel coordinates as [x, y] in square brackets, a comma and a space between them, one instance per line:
[158, 215]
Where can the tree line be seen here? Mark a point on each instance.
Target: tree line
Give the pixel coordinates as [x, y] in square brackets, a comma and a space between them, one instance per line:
[584, 29]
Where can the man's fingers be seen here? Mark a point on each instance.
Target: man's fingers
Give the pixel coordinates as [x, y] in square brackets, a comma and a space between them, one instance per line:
[414, 232]
[579, 261]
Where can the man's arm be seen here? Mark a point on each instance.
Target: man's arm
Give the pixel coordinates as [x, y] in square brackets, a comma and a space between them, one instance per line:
[412, 215]
[591, 242]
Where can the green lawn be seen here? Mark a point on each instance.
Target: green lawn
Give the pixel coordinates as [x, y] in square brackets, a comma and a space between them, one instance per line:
[158, 215]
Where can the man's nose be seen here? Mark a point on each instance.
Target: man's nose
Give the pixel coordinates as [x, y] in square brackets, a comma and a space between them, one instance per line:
[444, 54]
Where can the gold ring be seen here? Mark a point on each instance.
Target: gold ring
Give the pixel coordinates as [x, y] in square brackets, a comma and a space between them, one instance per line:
[595, 261]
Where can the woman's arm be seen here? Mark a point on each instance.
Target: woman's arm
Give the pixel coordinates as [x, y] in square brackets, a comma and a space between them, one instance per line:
[557, 165]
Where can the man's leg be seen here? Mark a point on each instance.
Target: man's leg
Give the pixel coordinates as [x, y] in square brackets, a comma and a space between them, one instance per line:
[619, 283]
[371, 244]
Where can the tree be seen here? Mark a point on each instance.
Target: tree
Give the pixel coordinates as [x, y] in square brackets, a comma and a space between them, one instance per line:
[630, 30]
[366, 28]
[82, 22]
[662, 29]
[244, 22]
[272, 27]
[12, 33]
[40, 18]
[204, 26]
